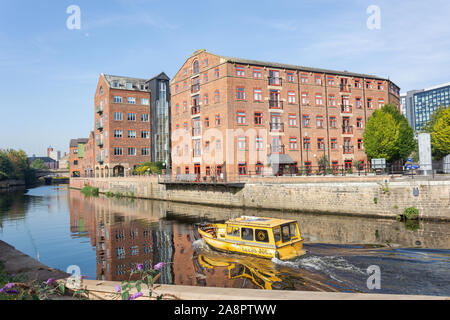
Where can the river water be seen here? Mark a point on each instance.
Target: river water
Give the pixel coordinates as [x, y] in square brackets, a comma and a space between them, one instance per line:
[105, 238]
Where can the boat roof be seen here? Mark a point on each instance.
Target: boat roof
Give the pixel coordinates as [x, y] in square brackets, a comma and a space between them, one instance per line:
[259, 221]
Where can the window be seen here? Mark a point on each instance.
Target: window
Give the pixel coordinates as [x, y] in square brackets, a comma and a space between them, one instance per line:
[131, 151]
[258, 118]
[318, 80]
[205, 99]
[380, 103]
[357, 83]
[242, 169]
[145, 134]
[233, 231]
[240, 71]
[333, 144]
[320, 144]
[331, 81]
[185, 84]
[360, 144]
[274, 77]
[293, 143]
[75, 162]
[319, 122]
[145, 151]
[129, 86]
[145, 101]
[319, 101]
[132, 134]
[184, 105]
[195, 67]
[118, 116]
[380, 86]
[240, 93]
[205, 77]
[117, 99]
[176, 88]
[115, 84]
[332, 101]
[369, 103]
[205, 62]
[259, 144]
[207, 148]
[118, 151]
[306, 121]
[305, 99]
[118, 133]
[216, 73]
[257, 73]
[257, 94]
[369, 85]
[259, 168]
[290, 77]
[306, 143]
[359, 123]
[195, 84]
[242, 143]
[333, 122]
[144, 117]
[276, 146]
[120, 252]
[206, 122]
[358, 103]
[291, 97]
[197, 148]
[131, 117]
[241, 117]
[217, 96]
[218, 148]
[292, 120]
[218, 120]
[262, 235]
[304, 78]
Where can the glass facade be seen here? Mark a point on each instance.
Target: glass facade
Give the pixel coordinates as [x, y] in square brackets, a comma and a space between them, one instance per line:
[428, 101]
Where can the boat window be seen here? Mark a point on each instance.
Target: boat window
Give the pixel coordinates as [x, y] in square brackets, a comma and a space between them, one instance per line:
[277, 234]
[247, 234]
[285, 233]
[233, 231]
[293, 230]
[262, 235]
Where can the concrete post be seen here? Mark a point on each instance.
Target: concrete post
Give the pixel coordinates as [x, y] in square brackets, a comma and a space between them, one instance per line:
[425, 160]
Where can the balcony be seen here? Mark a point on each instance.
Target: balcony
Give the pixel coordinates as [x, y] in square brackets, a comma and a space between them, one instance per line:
[195, 88]
[346, 108]
[195, 110]
[99, 126]
[345, 88]
[99, 109]
[347, 129]
[100, 160]
[100, 143]
[348, 149]
[275, 104]
[276, 127]
[275, 81]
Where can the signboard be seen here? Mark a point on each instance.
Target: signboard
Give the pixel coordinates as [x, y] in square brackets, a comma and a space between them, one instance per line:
[379, 163]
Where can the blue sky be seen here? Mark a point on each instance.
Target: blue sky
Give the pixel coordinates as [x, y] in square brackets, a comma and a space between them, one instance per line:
[48, 73]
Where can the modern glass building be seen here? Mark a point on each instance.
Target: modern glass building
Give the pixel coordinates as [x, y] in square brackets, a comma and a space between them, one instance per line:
[419, 105]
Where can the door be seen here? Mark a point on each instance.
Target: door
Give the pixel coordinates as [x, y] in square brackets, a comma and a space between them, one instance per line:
[197, 172]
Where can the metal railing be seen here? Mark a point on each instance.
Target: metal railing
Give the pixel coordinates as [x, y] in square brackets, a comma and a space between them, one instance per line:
[276, 127]
[275, 104]
[274, 81]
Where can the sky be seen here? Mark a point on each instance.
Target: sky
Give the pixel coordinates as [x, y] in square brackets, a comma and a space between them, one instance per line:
[49, 73]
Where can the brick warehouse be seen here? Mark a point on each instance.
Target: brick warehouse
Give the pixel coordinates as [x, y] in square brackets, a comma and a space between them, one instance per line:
[239, 116]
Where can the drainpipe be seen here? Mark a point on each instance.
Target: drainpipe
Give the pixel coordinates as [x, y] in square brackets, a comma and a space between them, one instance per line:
[300, 123]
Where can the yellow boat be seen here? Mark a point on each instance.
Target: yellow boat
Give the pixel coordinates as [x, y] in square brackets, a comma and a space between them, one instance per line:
[263, 237]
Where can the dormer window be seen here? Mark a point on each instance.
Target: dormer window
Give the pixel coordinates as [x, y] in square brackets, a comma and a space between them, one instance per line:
[142, 87]
[101, 90]
[129, 86]
[115, 84]
[195, 67]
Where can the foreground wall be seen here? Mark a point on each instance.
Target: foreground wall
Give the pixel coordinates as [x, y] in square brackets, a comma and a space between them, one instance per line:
[377, 198]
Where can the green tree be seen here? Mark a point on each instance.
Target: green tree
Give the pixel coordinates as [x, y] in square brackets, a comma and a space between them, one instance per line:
[38, 164]
[6, 166]
[381, 136]
[406, 142]
[439, 129]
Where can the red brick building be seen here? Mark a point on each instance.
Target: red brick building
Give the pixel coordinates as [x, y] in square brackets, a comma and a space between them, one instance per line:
[122, 125]
[237, 116]
[76, 155]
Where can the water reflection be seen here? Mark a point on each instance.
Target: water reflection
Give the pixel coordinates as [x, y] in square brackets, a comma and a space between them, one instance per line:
[107, 237]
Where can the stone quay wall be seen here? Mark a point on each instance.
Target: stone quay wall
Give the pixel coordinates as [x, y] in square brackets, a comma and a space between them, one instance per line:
[383, 197]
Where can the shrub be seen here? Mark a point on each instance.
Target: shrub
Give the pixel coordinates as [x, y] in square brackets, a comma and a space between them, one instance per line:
[411, 213]
[90, 191]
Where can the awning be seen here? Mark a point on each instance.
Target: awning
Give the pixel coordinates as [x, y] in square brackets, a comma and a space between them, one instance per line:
[276, 158]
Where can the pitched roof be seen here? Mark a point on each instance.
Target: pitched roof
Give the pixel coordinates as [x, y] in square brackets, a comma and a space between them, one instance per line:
[123, 80]
[162, 76]
[75, 142]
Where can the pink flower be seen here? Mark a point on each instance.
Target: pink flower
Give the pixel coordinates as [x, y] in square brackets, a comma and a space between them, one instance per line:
[50, 281]
[118, 288]
[160, 266]
[135, 296]
[140, 267]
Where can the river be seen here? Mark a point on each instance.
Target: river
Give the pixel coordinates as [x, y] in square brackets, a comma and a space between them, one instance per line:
[106, 237]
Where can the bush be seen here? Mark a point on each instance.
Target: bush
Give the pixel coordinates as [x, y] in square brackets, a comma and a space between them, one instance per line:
[89, 191]
[411, 213]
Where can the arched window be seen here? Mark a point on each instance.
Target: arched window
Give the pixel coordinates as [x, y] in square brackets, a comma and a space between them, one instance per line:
[195, 67]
